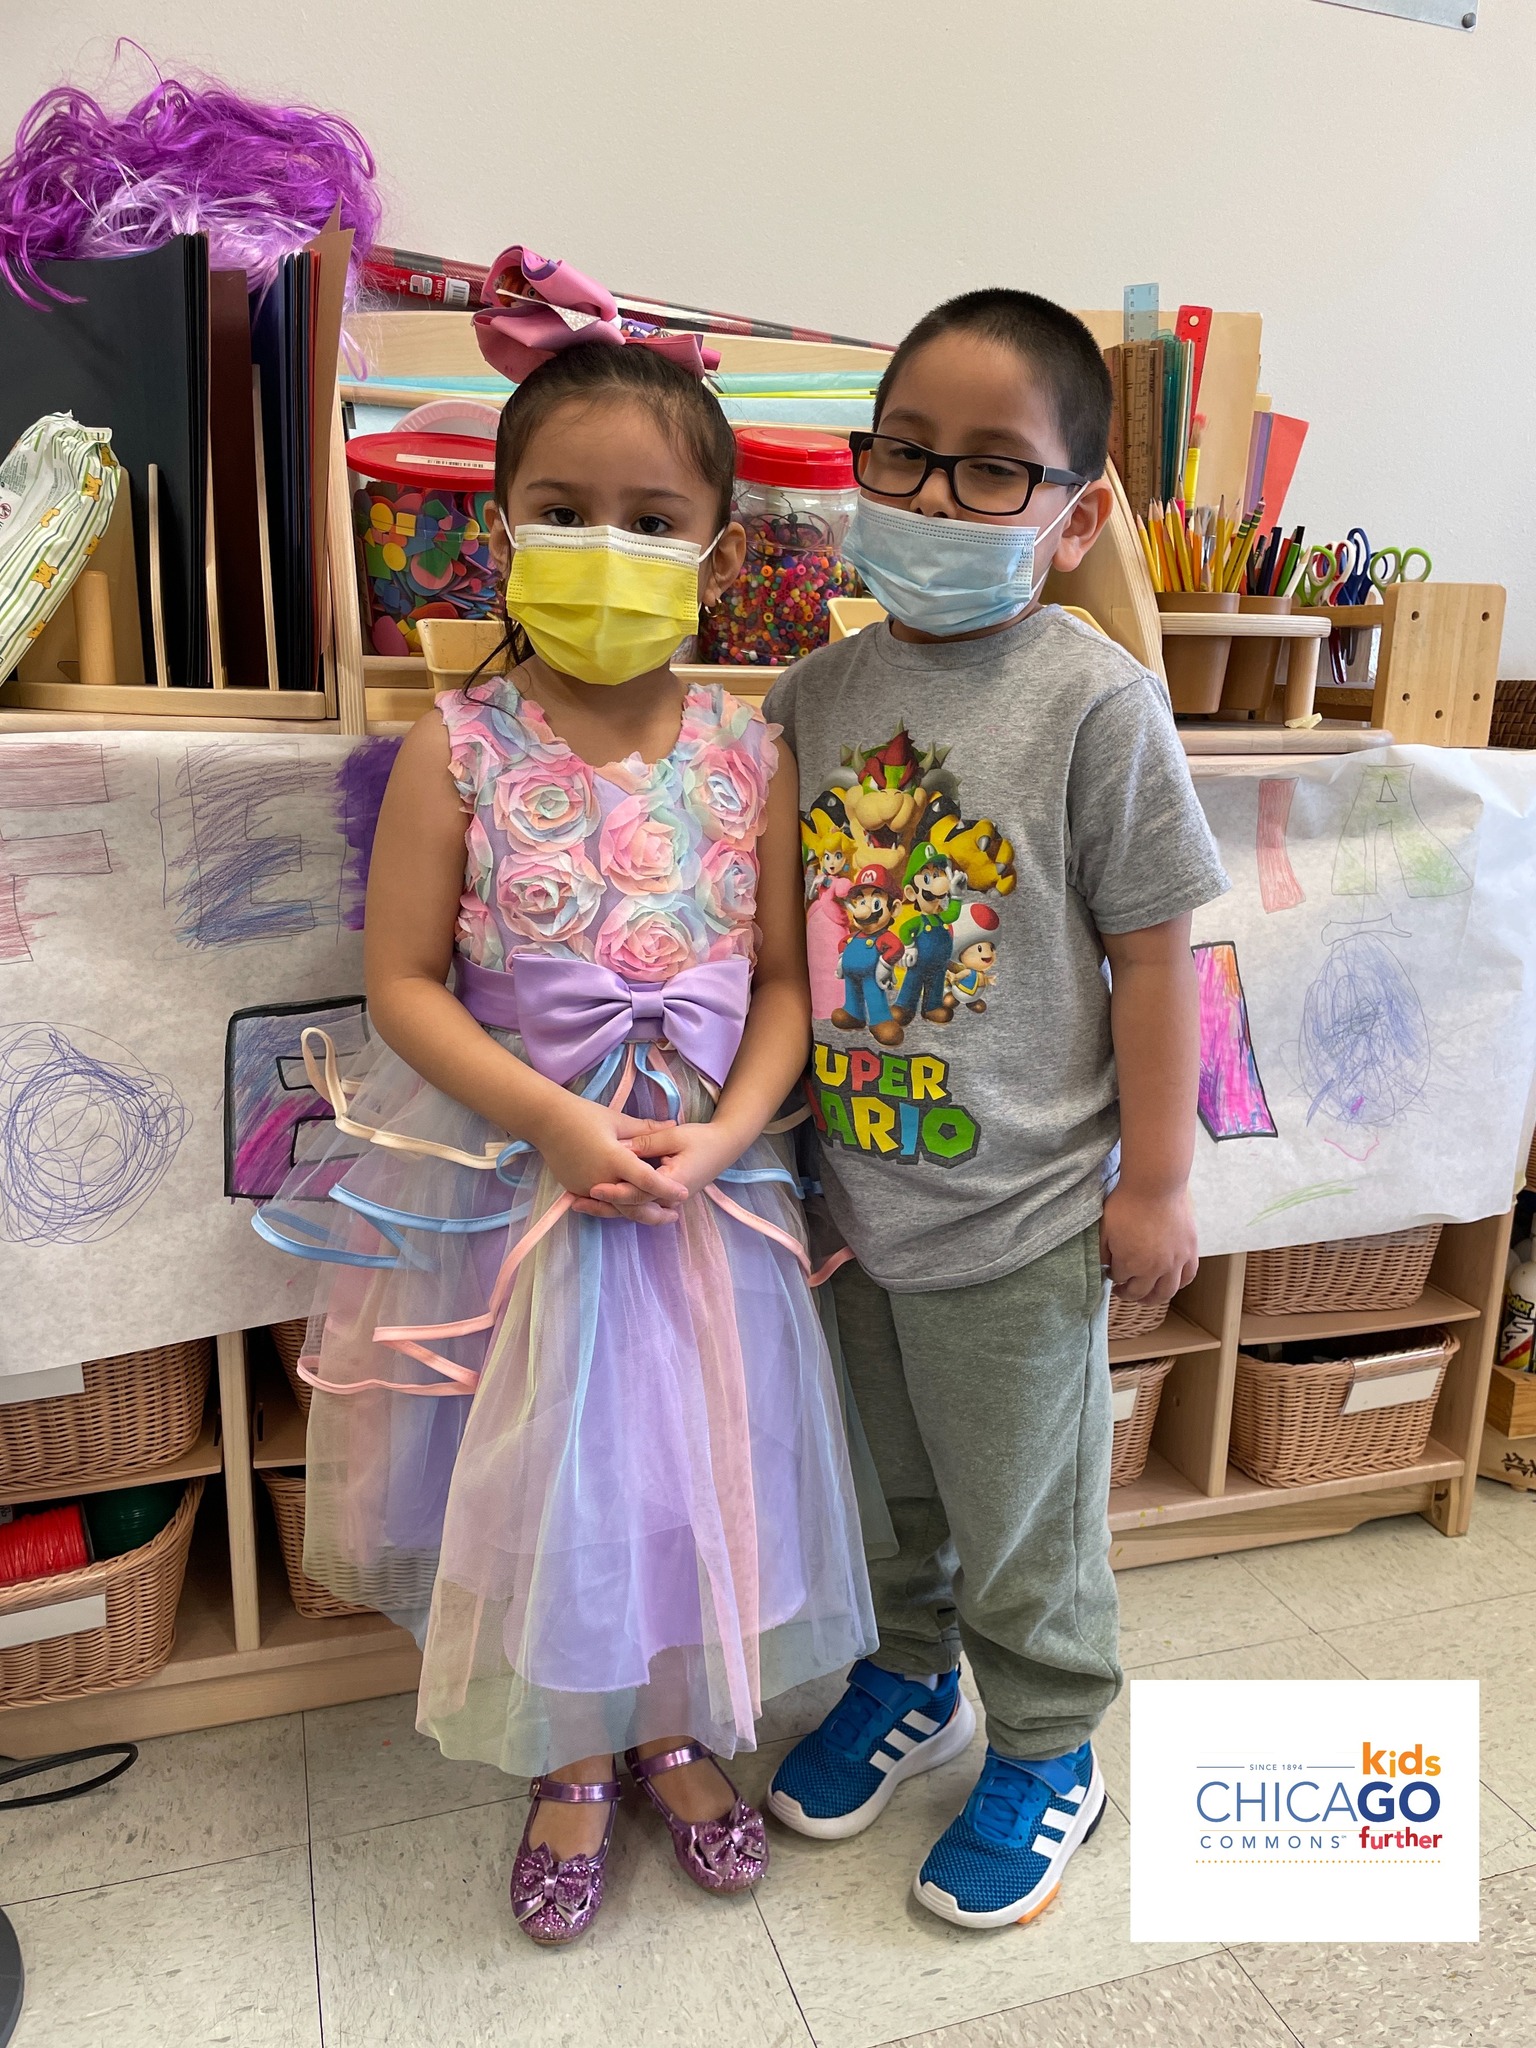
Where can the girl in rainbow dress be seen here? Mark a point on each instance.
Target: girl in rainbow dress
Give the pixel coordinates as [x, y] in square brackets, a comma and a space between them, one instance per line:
[575, 1421]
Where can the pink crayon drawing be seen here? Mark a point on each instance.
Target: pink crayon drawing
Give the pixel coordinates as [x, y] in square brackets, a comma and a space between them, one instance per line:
[1231, 1099]
[1278, 886]
[52, 776]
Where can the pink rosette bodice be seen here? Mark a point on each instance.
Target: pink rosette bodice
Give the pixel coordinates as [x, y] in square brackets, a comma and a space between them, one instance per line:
[645, 868]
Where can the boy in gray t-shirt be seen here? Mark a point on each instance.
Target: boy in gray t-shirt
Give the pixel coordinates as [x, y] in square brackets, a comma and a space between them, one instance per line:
[995, 803]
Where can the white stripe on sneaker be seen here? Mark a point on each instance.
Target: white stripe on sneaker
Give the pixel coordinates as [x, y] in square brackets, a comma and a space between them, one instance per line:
[1045, 1845]
[900, 1740]
[1077, 1794]
[883, 1761]
[921, 1724]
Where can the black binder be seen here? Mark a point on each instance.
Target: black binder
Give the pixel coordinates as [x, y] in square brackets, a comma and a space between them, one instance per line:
[132, 357]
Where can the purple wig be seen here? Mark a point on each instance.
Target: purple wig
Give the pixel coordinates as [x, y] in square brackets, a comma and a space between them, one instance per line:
[259, 181]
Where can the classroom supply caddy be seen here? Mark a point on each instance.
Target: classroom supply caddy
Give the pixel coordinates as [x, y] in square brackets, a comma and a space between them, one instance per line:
[50, 1651]
[1295, 1424]
[137, 1409]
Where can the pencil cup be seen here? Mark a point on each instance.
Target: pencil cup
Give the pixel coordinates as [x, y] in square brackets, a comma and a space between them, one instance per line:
[1253, 665]
[1196, 663]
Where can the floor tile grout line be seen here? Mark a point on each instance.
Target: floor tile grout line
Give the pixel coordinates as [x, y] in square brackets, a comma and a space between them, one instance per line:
[762, 1921]
[1259, 1991]
[113, 1884]
[411, 1819]
[309, 1850]
[1029, 2004]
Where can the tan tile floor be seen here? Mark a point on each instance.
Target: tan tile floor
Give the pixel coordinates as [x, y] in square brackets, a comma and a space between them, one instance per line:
[326, 1880]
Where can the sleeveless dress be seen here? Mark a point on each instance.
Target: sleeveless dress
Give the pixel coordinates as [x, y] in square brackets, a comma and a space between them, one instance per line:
[599, 1468]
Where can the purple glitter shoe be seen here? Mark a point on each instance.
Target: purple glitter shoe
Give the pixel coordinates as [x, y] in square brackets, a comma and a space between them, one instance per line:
[727, 1855]
[552, 1901]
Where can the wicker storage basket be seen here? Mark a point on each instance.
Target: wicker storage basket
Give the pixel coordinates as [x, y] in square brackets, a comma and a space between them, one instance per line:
[1514, 714]
[137, 1408]
[1288, 1428]
[1135, 1318]
[142, 1589]
[1346, 1273]
[1133, 1436]
[288, 1340]
[313, 1602]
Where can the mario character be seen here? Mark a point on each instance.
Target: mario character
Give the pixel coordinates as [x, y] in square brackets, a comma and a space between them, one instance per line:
[974, 966]
[869, 908]
[923, 928]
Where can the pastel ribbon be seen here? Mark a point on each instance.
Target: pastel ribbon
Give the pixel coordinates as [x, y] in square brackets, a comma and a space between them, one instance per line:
[516, 338]
[572, 1013]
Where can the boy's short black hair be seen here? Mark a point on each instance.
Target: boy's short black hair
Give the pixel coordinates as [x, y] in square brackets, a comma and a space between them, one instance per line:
[1055, 344]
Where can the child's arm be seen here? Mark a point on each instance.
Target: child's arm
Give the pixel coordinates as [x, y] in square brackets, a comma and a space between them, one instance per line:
[773, 1047]
[1149, 1225]
[415, 879]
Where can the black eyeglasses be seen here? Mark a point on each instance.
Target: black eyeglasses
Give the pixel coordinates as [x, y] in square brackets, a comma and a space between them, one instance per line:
[999, 484]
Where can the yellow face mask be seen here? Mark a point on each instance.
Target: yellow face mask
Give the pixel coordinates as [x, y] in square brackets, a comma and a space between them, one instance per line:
[601, 603]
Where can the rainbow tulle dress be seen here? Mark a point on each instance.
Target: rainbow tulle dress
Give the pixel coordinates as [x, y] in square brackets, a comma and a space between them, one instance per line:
[599, 1468]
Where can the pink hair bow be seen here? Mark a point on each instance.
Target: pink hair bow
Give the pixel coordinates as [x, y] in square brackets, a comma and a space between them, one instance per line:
[516, 338]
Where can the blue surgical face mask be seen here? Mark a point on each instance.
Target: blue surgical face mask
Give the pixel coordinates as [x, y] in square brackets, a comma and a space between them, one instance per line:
[946, 576]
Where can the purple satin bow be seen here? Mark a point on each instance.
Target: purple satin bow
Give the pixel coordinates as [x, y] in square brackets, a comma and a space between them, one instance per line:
[572, 1013]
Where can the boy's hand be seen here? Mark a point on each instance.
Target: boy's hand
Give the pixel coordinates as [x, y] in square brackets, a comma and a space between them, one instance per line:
[1148, 1242]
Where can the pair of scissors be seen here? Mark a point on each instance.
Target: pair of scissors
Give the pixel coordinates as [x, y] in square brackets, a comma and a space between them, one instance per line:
[1356, 586]
[1323, 570]
[1390, 565]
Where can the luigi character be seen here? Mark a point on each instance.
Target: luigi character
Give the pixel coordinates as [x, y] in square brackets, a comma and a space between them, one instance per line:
[869, 907]
[923, 928]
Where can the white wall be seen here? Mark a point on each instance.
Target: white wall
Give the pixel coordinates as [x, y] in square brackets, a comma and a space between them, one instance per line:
[1368, 184]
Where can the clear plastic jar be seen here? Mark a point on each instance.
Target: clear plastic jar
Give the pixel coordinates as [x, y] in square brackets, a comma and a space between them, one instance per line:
[794, 494]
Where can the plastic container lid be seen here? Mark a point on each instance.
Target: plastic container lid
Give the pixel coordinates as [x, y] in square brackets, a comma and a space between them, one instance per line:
[453, 462]
[796, 458]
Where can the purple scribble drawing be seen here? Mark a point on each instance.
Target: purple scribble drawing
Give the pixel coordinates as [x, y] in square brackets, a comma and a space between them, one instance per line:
[1231, 1100]
[1365, 1048]
[222, 879]
[49, 776]
[1278, 886]
[86, 1134]
[358, 792]
[267, 1096]
[1384, 808]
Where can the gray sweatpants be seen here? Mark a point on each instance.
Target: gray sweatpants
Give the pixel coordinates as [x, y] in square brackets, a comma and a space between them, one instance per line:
[988, 1414]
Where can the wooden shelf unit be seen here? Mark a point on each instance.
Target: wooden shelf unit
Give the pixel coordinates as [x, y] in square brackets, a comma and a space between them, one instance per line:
[1191, 1501]
[242, 1651]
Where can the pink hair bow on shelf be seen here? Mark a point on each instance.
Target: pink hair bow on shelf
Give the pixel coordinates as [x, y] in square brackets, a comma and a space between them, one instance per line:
[516, 337]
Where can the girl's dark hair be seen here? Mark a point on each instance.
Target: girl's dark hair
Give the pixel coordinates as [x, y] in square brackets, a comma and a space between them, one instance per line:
[686, 408]
[1053, 342]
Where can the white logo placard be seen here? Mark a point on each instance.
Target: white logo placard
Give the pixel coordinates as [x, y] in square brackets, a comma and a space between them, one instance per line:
[1304, 1810]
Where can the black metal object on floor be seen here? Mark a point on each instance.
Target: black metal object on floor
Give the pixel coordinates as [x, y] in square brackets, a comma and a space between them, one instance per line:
[12, 1979]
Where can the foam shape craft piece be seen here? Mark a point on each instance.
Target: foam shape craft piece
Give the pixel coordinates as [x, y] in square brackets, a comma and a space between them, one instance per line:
[57, 489]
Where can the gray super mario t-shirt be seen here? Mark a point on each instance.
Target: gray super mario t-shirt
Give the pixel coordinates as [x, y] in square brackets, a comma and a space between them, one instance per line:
[974, 814]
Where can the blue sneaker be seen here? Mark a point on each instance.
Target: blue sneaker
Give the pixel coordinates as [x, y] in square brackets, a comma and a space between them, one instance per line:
[884, 1729]
[1001, 1860]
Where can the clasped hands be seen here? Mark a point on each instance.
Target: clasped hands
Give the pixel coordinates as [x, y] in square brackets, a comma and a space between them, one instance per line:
[631, 1168]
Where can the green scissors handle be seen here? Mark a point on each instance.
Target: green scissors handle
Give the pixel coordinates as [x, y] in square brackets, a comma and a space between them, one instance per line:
[1324, 567]
[1390, 565]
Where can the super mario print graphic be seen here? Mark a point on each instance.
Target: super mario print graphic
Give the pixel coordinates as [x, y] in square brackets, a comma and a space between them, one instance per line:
[898, 927]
